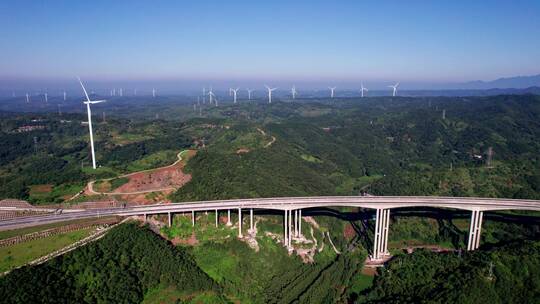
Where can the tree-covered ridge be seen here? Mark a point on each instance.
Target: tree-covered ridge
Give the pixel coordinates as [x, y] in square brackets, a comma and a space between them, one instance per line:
[120, 268]
[402, 146]
[509, 274]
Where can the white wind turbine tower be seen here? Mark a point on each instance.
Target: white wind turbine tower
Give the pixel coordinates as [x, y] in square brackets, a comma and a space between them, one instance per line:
[234, 91]
[46, 98]
[270, 90]
[210, 95]
[249, 93]
[27, 98]
[64, 95]
[394, 87]
[88, 102]
[332, 89]
[293, 92]
[363, 89]
[203, 95]
[153, 92]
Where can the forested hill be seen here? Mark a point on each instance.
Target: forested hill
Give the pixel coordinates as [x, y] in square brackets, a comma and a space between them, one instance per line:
[386, 146]
[508, 274]
[122, 267]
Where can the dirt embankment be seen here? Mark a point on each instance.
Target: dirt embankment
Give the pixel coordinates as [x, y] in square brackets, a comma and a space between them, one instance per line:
[160, 181]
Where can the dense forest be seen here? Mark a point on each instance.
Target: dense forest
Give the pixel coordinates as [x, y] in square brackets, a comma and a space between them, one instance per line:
[476, 146]
[120, 268]
[405, 146]
[508, 274]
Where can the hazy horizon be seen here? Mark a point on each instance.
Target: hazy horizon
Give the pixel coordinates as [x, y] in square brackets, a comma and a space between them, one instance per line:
[310, 44]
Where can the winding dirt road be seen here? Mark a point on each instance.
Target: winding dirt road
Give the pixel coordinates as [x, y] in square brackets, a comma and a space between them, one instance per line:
[91, 190]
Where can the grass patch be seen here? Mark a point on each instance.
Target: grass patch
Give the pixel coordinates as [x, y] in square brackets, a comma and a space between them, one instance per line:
[20, 254]
[311, 158]
[117, 182]
[154, 160]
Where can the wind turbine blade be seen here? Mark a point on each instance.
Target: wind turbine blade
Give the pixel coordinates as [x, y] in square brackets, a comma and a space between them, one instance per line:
[84, 89]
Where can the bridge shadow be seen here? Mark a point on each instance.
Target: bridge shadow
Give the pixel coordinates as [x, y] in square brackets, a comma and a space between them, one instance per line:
[363, 223]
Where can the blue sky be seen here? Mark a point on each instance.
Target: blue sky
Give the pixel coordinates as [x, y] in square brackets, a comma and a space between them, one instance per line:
[264, 41]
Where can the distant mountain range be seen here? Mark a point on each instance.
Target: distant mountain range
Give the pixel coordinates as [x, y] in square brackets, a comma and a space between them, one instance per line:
[518, 82]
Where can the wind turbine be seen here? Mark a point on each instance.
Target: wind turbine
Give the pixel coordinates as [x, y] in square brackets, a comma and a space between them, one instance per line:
[394, 92]
[153, 93]
[270, 90]
[234, 91]
[203, 95]
[64, 95]
[293, 92]
[46, 98]
[249, 93]
[27, 98]
[363, 89]
[210, 95]
[332, 91]
[88, 102]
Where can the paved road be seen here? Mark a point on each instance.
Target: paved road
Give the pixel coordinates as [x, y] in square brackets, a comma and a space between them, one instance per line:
[287, 203]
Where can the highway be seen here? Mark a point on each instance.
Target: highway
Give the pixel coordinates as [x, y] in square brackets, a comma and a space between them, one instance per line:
[284, 203]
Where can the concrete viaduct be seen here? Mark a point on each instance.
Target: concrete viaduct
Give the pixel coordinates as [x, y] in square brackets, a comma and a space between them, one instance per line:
[293, 206]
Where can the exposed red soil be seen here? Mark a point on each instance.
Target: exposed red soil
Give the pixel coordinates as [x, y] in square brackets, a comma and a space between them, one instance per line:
[370, 271]
[349, 232]
[192, 240]
[41, 188]
[157, 179]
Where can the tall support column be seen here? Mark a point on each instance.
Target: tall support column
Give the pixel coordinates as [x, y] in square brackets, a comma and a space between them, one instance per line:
[251, 219]
[475, 229]
[144, 217]
[217, 218]
[375, 254]
[471, 230]
[300, 223]
[387, 227]
[170, 219]
[285, 221]
[229, 217]
[479, 229]
[239, 222]
[290, 220]
[295, 223]
[382, 224]
[193, 218]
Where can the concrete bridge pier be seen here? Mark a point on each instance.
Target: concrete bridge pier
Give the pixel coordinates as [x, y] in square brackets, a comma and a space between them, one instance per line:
[380, 241]
[475, 229]
[170, 219]
[229, 223]
[300, 223]
[193, 218]
[239, 222]
[251, 220]
[285, 232]
[295, 223]
[217, 218]
[290, 224]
